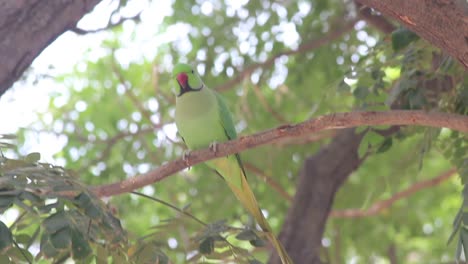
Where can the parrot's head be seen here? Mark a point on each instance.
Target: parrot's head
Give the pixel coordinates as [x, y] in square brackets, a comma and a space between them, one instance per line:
[187, 78]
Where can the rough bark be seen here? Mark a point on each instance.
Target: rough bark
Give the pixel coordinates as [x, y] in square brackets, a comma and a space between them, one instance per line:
[444, 23]
[320, 178]
[314, 125]
[28, 26]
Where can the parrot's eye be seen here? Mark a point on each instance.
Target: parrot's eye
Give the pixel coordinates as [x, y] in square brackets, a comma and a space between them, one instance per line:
[193, 71]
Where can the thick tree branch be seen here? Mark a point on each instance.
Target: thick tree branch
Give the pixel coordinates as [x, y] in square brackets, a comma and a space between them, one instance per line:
[443, 23]
[377, 207]
[332, 121]
[28, 27]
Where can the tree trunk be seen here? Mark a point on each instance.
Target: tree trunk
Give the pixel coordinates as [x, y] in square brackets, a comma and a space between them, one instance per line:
[28, 26]
[444, 23]
[319, 179]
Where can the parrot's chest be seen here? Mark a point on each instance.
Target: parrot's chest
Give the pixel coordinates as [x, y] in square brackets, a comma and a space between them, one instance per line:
[197, 119]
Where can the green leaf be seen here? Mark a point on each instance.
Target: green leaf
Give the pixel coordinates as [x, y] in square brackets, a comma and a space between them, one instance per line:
[6, 238]
[46, 247]
[254, 261]
[84, 201]
[258, 242]
[33, 157]
[47, 208]
[386, 145]
[363, 149]
[56, 222]
[343, 87]
[80, 247]
[22, 239]
[464, 238]
[361, 129]
[402, 37]
[206, 247]
[361, 92]
[246, 235]
[456, 225]
[374, 138]
[35, 199]
[61, 239]
[6, 201]
[369, 142]
[458, 251]
[377, 74]
[20, 254]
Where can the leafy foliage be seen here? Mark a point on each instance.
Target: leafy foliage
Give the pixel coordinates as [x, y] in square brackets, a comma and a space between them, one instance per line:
[70, 217]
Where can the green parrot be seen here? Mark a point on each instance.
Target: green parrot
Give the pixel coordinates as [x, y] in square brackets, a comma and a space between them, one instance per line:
[202, 120]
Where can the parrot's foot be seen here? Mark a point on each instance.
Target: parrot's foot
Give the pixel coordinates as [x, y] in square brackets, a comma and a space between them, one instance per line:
[185, 156]
[214, 146]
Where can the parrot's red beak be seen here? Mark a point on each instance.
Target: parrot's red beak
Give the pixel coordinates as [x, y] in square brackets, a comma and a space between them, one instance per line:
[182, 79]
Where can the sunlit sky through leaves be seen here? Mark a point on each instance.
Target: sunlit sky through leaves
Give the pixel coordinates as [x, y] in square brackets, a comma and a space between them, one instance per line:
[21, 104]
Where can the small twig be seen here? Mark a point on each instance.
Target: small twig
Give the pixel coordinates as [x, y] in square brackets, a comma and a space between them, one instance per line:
[327, 122]
[269, 180]
[261, 98]
[172, 207]
[377, 207]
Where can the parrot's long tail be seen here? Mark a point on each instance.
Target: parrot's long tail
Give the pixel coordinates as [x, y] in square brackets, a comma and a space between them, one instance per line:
[285, 259]
[247, 198]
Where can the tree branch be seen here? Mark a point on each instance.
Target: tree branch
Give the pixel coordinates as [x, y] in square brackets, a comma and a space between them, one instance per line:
[264, 103]
[28, 27]
[332, 121]
[377, 207]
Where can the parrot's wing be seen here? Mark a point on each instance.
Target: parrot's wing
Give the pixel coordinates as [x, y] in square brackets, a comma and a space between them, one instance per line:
[226, 118]
[228, 125]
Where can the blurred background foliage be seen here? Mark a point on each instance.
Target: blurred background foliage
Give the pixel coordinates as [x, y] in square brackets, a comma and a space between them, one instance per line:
[275, 62]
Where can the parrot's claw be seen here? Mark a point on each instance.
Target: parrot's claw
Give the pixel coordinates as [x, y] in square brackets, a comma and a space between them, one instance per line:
[214, 147]
[186, 155]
